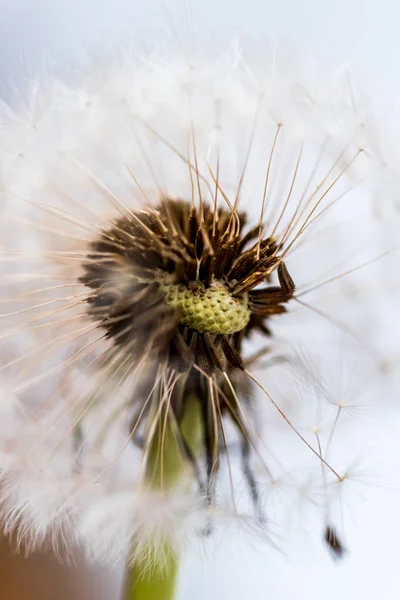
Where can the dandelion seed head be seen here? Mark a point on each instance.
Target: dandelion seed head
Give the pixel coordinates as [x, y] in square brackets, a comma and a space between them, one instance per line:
[160, 218]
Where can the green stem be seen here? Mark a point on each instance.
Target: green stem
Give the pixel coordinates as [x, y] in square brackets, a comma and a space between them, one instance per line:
[165, 466]
[156, 583]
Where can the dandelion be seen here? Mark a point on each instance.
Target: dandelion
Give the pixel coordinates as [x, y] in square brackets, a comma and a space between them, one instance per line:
[162, 223]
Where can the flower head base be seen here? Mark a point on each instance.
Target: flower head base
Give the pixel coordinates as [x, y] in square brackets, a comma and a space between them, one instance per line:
[178, 283]
[210, 309]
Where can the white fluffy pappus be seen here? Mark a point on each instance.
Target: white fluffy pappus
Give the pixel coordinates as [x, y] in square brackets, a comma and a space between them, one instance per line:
[291, 147]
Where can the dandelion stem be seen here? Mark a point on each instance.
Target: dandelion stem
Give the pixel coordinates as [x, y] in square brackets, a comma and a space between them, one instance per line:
[156, 583]
[153, 576]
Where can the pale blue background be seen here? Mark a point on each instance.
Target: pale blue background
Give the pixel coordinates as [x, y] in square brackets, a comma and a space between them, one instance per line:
[32, 30]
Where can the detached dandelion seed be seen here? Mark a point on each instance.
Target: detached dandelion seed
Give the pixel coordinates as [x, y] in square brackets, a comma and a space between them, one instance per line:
[149, 214]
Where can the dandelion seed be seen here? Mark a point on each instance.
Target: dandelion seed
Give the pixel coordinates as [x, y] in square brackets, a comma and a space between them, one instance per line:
[334, 543]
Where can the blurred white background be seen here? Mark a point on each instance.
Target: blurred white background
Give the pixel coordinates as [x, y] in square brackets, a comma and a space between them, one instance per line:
[34, 33]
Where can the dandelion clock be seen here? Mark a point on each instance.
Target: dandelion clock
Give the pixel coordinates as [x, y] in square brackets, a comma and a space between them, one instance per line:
[184, 242]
